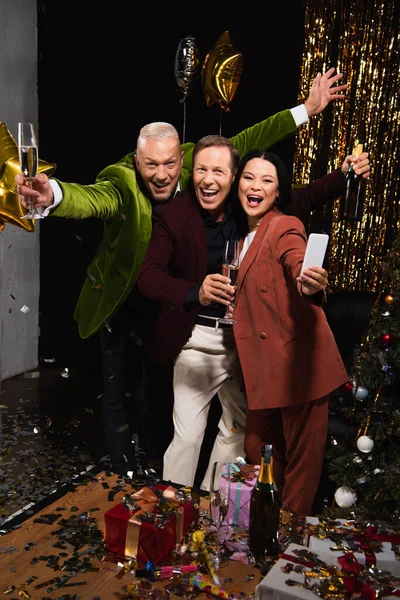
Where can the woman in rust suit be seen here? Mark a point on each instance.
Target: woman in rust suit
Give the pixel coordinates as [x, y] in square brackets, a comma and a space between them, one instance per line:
[287, 351]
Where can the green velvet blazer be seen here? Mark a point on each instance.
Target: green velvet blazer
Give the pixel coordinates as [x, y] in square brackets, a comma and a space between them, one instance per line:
[117, 198]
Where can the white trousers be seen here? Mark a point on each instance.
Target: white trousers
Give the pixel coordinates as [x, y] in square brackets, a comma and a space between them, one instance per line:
[207, 365]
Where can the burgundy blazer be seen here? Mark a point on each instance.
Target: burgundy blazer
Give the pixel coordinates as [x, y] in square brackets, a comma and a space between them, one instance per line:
[286, 348]
[317, 193]
[176, 259]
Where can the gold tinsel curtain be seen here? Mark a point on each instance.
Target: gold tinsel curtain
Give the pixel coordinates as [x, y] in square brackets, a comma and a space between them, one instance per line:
[361, 40]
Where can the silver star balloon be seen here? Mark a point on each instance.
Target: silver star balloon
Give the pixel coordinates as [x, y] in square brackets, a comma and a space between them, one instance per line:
[187, 66]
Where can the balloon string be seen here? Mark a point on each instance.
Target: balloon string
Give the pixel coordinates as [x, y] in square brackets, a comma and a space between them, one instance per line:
[220, 120]
[1, 337]
[184, 122]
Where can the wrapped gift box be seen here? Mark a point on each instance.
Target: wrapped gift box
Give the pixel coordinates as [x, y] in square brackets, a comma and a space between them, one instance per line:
[150, 525]
[242, 480]
[303, 573]
[367, 548]
[274, 583]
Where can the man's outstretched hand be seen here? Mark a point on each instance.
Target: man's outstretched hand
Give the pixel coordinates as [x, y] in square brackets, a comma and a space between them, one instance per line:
[323, 91]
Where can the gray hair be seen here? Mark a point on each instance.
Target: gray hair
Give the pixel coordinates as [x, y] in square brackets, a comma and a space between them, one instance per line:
[210, 141]
[157, 131]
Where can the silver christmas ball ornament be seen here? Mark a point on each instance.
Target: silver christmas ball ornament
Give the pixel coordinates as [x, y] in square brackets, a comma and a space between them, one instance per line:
[360, 392]
[345, 497]
[365, 444]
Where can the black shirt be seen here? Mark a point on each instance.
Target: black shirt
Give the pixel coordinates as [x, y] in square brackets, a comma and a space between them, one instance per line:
[216, 235]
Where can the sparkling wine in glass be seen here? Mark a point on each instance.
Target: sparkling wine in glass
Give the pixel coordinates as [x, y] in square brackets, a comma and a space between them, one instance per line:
[230, 268]
[219, 504]
[28, 160]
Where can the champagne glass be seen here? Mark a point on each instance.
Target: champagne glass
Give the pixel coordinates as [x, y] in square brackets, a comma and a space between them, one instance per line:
[219, 504]
[28, 160]
[230, 268]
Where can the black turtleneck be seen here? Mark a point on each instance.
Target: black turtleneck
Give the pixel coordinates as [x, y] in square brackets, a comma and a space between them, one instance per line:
[216, 235]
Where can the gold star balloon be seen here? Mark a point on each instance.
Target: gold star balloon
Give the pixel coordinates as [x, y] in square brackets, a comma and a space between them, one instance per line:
[221, 72]
[11, 210]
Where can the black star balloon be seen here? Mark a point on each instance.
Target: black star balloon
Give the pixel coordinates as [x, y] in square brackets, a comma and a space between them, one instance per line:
[11, 210]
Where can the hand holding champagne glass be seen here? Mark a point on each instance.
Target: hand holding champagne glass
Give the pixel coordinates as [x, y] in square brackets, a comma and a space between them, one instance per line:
[28, 160]
[230, 268]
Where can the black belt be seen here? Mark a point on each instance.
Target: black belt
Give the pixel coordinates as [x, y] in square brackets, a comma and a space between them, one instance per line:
[211, 322]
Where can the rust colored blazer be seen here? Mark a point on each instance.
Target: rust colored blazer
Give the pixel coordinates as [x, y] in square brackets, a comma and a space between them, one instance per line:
[286, 348]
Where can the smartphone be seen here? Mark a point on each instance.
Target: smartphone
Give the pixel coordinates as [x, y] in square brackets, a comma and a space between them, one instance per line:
[315, 250]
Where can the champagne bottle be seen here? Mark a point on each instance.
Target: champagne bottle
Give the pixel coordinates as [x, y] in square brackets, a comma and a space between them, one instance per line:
[264, 510]
[352, 200]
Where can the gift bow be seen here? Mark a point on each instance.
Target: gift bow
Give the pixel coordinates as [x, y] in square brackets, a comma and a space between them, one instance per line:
[241, 473]
[371, 532]
[365, 540]
[147, 501]
[364, 589]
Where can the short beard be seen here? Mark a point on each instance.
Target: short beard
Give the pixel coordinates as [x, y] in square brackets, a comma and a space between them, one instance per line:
[156, 201]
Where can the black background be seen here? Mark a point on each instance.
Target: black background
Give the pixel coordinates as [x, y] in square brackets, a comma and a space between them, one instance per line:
[104, 73]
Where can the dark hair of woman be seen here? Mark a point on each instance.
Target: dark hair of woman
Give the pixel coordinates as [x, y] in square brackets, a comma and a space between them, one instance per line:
[283, 180]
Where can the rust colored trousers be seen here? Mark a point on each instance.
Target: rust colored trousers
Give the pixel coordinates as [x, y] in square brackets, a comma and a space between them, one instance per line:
[298, 436]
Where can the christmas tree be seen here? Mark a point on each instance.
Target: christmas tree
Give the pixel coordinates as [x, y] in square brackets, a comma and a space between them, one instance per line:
[365, 465]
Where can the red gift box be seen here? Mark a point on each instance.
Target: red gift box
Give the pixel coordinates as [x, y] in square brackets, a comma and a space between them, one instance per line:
[126, 534]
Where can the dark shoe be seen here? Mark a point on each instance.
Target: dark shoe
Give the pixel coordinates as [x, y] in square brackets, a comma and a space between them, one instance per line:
[123, 469]
[153, 463]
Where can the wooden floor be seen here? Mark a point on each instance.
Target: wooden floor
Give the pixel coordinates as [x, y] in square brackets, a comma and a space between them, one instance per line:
[51, 430]
[31, 566]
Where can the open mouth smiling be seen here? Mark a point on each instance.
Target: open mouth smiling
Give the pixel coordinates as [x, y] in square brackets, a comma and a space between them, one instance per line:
[209, 194]
[254, 200]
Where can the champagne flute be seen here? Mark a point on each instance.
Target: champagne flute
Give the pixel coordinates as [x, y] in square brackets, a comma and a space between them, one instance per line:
[230, 268]
[28, 160]
[219, 504]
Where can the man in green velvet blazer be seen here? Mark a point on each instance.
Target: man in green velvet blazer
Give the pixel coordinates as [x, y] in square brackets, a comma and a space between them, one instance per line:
[122, 197]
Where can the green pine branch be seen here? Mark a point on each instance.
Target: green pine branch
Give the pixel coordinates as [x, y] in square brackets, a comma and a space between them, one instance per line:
[374, 476]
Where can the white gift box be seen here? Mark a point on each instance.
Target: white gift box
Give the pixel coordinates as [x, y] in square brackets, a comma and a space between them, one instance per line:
[273, 585]
[385, 560]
